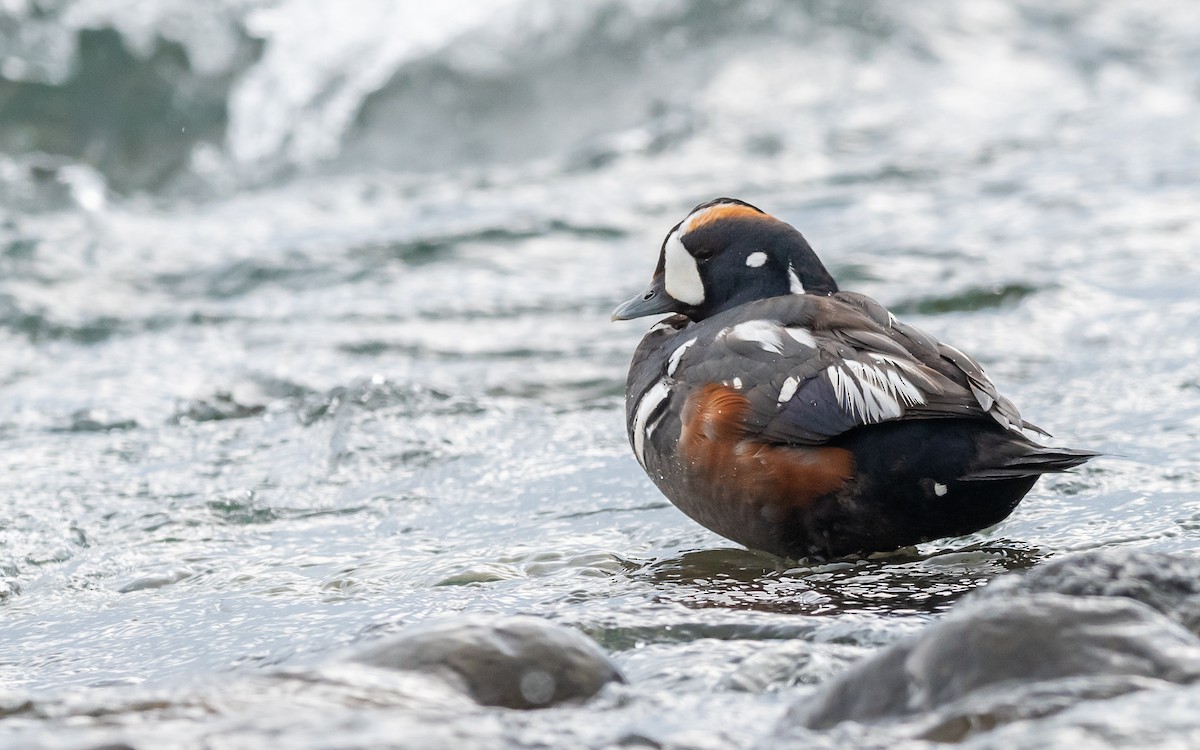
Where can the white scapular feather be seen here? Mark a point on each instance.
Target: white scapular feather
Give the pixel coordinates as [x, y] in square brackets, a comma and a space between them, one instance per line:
[873, 392]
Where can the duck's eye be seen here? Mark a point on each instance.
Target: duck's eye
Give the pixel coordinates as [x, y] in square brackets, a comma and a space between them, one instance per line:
[703, 253]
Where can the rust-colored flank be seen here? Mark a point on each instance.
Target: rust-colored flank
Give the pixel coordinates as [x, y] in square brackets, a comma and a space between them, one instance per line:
[715, 445]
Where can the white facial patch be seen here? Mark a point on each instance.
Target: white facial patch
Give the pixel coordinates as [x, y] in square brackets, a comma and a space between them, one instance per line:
[794, 281]
[756, 260]
[766, 333]
[655, 396]
[681, 277]
[940, 489]
[677, 355]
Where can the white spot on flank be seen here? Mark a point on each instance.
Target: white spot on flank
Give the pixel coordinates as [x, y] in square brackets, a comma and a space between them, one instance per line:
[940, 489]
[794, 281]
[788, 389]
[736, 383]
[681, 276]
[755, 260]
[677, 355]
[766, 333]
[655, 396]
[802, 336]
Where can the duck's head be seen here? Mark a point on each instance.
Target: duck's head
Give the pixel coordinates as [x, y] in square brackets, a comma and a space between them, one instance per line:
[724, 254]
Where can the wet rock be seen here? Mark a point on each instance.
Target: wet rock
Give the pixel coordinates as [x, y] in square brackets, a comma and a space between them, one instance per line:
[997, 660]
[1169, 583]
[514, 662]
[96, 420]
[220, 407]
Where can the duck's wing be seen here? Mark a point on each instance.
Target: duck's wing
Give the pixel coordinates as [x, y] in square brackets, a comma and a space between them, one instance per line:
[949, 361]
[811, 368]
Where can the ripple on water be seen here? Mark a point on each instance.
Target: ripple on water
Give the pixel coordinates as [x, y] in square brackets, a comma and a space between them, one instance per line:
[906, 582]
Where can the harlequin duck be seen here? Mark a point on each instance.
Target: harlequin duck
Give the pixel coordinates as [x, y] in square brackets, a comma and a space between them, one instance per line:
[805, 421]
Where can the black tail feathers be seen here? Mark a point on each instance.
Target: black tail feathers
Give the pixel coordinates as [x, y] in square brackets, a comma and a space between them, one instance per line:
[1032, 460]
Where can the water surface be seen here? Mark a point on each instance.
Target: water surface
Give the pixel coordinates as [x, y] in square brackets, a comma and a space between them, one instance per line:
[310, 341]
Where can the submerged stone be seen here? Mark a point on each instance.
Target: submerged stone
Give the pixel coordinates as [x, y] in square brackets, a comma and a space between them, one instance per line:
[513, 662]
[1168, 583]
[994, 660]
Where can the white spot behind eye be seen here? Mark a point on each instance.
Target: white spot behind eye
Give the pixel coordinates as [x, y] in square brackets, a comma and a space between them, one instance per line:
[940, 489]
[794, 281]
[681, 277]
[755, 260]
[655, 396]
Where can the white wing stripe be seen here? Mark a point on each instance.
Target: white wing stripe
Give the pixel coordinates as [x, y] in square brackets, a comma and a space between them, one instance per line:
[677, 355]
[655, 396]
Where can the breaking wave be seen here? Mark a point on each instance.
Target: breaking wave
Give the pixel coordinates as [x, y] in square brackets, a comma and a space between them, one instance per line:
[219, 95]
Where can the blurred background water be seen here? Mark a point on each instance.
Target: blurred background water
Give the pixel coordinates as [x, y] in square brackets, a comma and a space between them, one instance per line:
[304, 333]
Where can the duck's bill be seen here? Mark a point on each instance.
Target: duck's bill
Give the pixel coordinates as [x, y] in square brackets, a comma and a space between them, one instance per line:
[654, 300]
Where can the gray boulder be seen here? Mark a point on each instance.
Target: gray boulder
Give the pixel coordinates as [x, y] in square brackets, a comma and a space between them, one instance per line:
[514, 662]
[1168, 583]
[997, 658]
